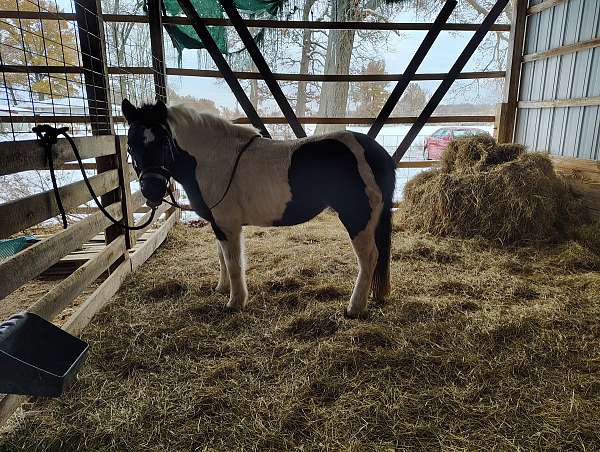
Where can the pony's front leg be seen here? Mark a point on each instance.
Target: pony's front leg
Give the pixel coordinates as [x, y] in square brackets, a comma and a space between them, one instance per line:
[223, 285]
[233, 254]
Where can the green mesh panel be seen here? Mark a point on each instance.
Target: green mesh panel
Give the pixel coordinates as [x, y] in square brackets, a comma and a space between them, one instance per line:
[184, 36]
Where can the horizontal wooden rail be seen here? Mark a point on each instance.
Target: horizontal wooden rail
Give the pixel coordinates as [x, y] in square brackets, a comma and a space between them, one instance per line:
[315, 120]
[332, 77]
[26, 212]
[262, 23]
[363, 120]
[245, 75]
[32, 261]
[63, 294]
[417, 163]
[161, 210]
[40, 69]
[535, 9]
[47, 119]
[564, 50]
[76, 167]
[16, 156]
[146, 250]
[558, 103]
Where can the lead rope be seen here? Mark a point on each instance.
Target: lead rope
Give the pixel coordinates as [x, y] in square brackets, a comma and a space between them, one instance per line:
[233, 170]
[47, 137]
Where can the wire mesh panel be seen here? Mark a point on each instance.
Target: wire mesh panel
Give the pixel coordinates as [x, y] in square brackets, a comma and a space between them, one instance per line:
[55, 57]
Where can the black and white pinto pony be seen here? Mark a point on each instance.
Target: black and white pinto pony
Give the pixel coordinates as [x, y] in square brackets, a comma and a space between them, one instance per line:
[234, 177]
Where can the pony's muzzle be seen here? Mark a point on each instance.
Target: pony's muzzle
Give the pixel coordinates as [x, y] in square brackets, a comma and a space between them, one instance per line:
[154, 188]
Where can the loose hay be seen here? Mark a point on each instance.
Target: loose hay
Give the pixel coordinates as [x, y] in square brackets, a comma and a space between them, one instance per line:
[478, 347]
[495, 191]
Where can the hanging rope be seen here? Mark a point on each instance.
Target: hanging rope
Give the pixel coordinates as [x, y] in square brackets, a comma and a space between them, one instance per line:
[47, 137]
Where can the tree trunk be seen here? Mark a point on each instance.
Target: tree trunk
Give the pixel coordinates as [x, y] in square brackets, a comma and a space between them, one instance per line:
[304, 61]
[334, 96]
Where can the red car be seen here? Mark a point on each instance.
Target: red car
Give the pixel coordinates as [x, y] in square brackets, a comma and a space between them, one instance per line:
[435, 144]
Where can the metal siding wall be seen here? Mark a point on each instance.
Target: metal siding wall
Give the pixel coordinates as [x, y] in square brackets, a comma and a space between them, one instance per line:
[566, 131]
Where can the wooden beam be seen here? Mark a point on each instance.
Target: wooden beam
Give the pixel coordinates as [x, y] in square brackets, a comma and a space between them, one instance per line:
[90, 29]
[417, 164]
[356, 120]
[63, 294]
[535, 9]
[561, 103]
[161, 210]
[262, 66]
[26, 212]
[39, 69]
[16, 156]
[365, 121]
[97, 300]
[145, 251]
[564, 50]
[412, 67]
[9, 404]
[75, 166]
[456, 68]
[242, 75]
[55, 119]
[32, 261]
[125, 191]
[158, 51]
[223, 66]
[508, 110]
[260, 23]
[245, 75]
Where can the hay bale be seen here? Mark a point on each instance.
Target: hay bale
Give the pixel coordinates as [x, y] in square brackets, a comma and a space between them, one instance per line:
[496, 191]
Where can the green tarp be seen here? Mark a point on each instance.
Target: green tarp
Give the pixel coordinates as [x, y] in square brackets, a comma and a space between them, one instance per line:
[184, 36]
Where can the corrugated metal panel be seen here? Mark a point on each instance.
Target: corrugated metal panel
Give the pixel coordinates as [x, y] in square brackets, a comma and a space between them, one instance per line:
[566, 131]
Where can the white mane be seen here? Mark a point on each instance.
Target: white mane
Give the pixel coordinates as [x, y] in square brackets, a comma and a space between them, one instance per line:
[210, 126]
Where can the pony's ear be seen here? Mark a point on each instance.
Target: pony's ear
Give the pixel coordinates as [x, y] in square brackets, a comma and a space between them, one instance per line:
[129, 110]
[160, 110]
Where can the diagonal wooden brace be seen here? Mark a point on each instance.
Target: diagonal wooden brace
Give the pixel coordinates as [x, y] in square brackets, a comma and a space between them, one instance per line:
[262, 66]
[412, 67]
[453, 73]
[223, 66]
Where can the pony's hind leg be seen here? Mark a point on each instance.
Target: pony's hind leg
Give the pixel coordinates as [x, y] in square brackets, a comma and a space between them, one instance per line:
[223, 285]
[234, 259]
[360, 222]
[366, 254]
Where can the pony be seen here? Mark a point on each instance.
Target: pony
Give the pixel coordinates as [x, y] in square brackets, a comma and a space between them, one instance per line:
[234, 177]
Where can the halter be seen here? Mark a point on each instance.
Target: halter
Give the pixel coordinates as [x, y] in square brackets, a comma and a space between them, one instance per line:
[47, 137]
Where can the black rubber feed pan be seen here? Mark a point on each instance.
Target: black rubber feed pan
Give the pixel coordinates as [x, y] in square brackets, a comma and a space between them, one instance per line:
[36, 357]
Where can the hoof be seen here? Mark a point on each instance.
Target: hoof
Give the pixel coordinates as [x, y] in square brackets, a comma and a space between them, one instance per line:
[236, 304]
[222, 289]
[349, 314]
[231, 309]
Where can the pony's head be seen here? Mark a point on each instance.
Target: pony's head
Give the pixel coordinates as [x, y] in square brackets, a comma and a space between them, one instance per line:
[151, 147]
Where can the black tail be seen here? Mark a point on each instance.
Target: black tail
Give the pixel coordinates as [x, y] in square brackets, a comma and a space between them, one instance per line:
[384, 170]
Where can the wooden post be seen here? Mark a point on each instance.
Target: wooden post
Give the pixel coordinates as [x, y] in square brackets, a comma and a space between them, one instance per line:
[158, 50]
[508, 109]
[93, 58]
[125, 186]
